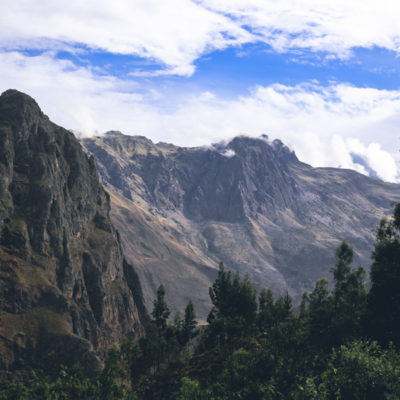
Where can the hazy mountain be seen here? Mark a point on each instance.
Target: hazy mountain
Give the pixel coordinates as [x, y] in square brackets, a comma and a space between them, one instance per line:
[66, 291]
[250, 203]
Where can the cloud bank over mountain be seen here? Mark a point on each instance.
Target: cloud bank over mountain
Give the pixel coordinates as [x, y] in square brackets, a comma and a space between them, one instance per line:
[136, 66]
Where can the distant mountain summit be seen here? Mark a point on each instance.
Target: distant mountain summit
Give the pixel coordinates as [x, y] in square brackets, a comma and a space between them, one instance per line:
[249, 203]
[66, 291]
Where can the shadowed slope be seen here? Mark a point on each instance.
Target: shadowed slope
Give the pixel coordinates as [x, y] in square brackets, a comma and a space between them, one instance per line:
[66, 291]
[250, 203]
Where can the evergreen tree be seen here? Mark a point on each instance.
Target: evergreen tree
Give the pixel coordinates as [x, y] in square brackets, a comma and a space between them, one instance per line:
[160, 316]
[189, 324]
[220, 294]
[160, 311]
[283, 308]
[342, 269]
[357, 370]
[349, 296]
[384, 295]
[109, 388]
[234, 307]
[266, 310]
[320, 314]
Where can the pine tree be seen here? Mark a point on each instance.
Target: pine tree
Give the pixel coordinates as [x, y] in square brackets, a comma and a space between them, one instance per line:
[349, 296]
[160, 311]
[266, 310]
[342, 269]
[220, 294]
[234, 307]
[320, 314]
[160, 316]
[384, 295]
[109, 387]
[189, 324]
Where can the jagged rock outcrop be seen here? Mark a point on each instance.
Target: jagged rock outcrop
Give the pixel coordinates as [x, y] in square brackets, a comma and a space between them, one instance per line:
[66, 291]
[250, 203]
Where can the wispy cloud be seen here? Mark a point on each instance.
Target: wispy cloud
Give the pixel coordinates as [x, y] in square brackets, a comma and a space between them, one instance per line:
[175, 33]
[72, 96]
[172, 32]
[334, 27]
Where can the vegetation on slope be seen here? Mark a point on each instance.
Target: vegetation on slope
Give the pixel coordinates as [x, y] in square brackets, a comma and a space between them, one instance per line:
[342, 343]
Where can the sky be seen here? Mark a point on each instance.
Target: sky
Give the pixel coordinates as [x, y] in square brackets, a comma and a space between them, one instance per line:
[322, 76]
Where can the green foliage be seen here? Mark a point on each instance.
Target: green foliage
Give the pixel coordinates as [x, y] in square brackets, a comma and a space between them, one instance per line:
[349, 296]
[344, 258]
[109, 387]
[187, 331]
[332, 318]
[160, 311]
[320, 314]
[263, 351]
[266, 310]
[190, 390]
[160, 315]
[234, 310]
[163, 344]
[34, 385]
[359, 370]
[384, 295]
[141, 356]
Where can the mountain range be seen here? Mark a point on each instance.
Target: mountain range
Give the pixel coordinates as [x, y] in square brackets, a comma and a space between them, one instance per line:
[90, 229]
[248, 202]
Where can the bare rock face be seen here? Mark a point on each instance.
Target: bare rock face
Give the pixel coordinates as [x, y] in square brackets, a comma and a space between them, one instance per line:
[250, 203]
[66, 291]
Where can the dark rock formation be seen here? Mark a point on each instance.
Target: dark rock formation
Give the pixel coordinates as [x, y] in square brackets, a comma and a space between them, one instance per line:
[249, 202]
[66, 291]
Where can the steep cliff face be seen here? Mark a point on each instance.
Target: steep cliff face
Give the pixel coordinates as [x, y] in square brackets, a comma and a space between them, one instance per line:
[250, 203]
[66, 291]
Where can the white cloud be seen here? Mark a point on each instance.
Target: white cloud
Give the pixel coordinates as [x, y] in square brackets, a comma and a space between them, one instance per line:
[324, 125]
[173, 32]
[176, 33]
[332, 26]
[72, 96]
[377, 159]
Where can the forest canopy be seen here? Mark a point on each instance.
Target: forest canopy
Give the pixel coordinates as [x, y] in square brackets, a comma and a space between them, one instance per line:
[341, 343]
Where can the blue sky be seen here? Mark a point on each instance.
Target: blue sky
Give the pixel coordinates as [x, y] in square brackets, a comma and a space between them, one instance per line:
[232, 71]
[321, 76]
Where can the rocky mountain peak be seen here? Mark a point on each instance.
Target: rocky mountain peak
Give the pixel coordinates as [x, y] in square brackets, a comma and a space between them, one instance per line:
[64, 281]
[274, 149]
[17, 107]
[113, 133]
[248, 202]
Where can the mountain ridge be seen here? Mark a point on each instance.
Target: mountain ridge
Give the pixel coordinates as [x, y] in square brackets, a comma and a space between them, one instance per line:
[249, 202]
[67, 292]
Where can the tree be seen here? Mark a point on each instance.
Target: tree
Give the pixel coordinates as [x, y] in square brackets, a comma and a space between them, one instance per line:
[283, 308]
[266, 310]
[234, 308]
[189, 390]
[320, 314]
[189, 324]
[160, 316]
[109, 387]
[220, 294]
[358, 370]
[349, 296]
[384, 295]
[160, 311]
[342, 269]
